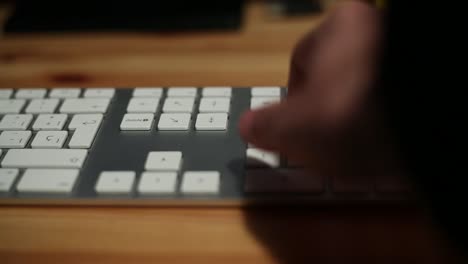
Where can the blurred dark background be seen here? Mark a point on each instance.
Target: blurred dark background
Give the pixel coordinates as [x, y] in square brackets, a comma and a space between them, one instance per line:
[165, 15]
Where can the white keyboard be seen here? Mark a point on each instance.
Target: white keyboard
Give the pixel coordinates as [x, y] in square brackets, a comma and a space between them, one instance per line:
[154, 145]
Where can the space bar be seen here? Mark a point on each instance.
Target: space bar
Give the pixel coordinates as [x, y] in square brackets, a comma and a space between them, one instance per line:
[44, 158]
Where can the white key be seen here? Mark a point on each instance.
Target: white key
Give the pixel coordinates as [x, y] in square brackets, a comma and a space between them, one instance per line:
[217, 91]
[174, 121]
[85, 120]
[203, 182]
[115, 182]
[14, 139]
[50, 122]
[209, 121]
[83, 137]
[147, 92]
[48, 181]
[30, 93]
[260, 102]
[49, 139]
[63, 93]
[5, 93]
[178, 105]
[143, 105]
[99, 93]
[44, 158]
[163, 160]
[262, 158]
[11, 106]
[85, 106]
[157, 182]
[137, 122]
[266, 91]
[39, 106]
[214, 105]
[15, 122]
[182, 92]
[7, 177]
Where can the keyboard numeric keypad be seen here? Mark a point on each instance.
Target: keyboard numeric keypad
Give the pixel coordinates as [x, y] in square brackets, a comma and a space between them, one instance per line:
[16, 122]
[50, 122]
[11, 106]
[85, 106]
[49, 139]
[14, 139]
[30, 93]
[42, 106]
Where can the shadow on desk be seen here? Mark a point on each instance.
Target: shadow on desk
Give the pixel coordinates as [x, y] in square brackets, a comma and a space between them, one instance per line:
[362, 235]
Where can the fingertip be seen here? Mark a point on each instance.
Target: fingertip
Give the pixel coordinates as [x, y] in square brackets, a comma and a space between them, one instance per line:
[245, 125]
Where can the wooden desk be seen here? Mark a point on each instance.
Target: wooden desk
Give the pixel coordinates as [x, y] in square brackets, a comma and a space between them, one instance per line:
[257, 55]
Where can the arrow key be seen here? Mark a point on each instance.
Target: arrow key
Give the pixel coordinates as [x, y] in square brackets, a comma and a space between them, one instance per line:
[15, 122]
[115, 182]
[163, 161]
[211, 121]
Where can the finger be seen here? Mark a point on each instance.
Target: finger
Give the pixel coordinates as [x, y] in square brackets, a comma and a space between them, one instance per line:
[280, 127]
[300, 66]
[322, 57]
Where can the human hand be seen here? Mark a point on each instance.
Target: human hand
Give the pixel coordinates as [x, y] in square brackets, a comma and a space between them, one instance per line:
[330, 120]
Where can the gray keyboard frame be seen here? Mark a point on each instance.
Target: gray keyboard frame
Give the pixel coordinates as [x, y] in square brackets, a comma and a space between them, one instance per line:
[223, 151]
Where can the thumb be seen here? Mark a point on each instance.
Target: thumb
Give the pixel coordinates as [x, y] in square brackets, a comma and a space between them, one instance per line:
[278, 127]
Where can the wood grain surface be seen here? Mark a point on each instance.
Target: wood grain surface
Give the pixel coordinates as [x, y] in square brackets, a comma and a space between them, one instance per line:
[257, 54]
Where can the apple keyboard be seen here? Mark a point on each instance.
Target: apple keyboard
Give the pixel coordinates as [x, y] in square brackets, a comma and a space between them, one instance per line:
[156, 146]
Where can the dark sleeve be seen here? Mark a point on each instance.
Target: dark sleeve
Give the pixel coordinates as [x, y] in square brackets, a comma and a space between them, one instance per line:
[421, 81]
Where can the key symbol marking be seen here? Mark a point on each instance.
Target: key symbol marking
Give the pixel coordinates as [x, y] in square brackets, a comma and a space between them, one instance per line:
[90, 122]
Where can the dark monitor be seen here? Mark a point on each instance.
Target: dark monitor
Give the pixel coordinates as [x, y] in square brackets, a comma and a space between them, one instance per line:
[107, 15]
